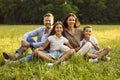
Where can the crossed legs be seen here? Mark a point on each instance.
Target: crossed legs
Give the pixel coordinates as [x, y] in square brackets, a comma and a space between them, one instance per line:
[47, 57]
[84, 51]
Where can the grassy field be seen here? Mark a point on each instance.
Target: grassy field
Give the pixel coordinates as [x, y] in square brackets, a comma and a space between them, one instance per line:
[75, 69]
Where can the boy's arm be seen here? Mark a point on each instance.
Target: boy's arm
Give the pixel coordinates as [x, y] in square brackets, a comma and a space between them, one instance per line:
[95, 46]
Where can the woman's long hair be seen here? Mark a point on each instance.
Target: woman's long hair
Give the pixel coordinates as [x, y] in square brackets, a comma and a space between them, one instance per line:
[77, 22]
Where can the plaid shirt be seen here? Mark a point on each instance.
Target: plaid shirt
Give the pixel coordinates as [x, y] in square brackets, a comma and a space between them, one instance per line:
[74, 39]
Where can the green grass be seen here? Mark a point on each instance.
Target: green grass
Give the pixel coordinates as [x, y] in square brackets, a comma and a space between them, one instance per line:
[75, 69]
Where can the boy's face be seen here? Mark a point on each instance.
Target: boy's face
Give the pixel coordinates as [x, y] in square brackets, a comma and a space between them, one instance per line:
[48, 21]
[87, 32]
[59, 29]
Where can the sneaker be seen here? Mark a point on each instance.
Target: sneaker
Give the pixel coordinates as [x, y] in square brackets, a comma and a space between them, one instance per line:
[5, 55]
[9, 56]
[7, 61]
[64, 62]
[106, 58]
[50, 64]
[93, 60]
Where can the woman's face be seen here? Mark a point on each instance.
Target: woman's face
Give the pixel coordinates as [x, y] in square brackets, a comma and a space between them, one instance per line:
[87, 32]
[59, 29]
[71, 21]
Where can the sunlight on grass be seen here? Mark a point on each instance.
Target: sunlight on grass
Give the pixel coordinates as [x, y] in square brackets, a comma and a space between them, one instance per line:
[74, 69]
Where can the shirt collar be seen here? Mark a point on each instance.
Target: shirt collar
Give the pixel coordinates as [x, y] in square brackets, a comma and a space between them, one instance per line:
[57, 37]
[48, 30]
[89, 39]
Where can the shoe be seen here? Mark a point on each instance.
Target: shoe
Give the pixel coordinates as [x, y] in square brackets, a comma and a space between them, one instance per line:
[5, 55]
[93, 60]
[9, 56]
[50, 64]
[64, 62]
[106, 58]
[7, 61]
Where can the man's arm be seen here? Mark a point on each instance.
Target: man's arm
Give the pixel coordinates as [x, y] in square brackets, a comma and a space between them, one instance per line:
[31, 34]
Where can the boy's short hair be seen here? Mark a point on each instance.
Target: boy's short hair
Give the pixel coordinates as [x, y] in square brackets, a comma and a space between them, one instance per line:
[48, 15]
[87, 26]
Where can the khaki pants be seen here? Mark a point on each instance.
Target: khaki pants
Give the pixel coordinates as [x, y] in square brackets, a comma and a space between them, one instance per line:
[85, 49]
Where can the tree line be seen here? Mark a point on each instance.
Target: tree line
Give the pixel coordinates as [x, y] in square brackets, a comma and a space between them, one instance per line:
[32, 11]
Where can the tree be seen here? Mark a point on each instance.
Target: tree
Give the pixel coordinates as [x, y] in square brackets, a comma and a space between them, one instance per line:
[113, 11]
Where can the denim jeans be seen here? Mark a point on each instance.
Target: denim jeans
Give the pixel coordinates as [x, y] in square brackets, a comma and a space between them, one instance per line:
[30, 40]
[29, 56]
[26, 58]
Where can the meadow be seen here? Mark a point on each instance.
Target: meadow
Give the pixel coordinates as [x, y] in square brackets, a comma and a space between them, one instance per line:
[75, 68]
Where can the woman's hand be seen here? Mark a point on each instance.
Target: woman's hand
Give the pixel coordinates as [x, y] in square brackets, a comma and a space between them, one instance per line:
[77, 49]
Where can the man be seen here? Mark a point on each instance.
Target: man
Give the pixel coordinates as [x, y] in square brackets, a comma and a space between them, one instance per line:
[27, 41]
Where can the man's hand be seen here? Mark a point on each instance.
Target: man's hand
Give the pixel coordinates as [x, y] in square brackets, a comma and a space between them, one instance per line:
[25, 44]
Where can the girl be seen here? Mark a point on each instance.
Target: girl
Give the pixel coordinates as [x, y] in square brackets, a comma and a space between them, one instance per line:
[59, 46]
[95, 49]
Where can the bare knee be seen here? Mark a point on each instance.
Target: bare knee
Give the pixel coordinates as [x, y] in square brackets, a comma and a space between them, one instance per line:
[72, 51]
[108, 48]
[89, 55]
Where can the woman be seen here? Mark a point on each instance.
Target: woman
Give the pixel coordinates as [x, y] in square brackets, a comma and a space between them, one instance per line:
[74, 35]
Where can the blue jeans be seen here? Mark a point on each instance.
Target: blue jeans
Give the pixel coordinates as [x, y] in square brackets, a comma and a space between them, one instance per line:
[30, 40]
[29, 56]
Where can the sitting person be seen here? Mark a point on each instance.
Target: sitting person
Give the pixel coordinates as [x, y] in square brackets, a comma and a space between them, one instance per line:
[59, 46]
[95, 49]
[28, 41]
[74, 34]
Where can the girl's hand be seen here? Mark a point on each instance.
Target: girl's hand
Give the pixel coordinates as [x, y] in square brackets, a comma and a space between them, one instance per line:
[36, 51]
[39, 49]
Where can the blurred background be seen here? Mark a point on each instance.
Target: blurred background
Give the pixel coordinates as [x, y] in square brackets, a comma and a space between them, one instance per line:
[32, 11]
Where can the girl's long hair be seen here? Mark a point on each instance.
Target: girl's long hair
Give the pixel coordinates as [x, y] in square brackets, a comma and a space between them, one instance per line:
[53, 29]
[53, 32]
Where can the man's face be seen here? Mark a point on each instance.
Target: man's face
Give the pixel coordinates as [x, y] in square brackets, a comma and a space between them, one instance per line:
[48, 22]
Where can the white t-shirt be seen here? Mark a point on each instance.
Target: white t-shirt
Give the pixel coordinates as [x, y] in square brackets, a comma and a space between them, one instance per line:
[58, 43]
[94, 41]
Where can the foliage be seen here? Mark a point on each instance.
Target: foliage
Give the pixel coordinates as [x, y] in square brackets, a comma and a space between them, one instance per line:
[74, 69]
[32, 11]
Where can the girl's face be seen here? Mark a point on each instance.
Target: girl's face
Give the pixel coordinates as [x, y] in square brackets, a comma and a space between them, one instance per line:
[71, 21]
[87, 32]
[59, 29]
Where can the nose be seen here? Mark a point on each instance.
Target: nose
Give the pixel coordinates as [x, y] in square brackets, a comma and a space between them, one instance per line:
[47, 21]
